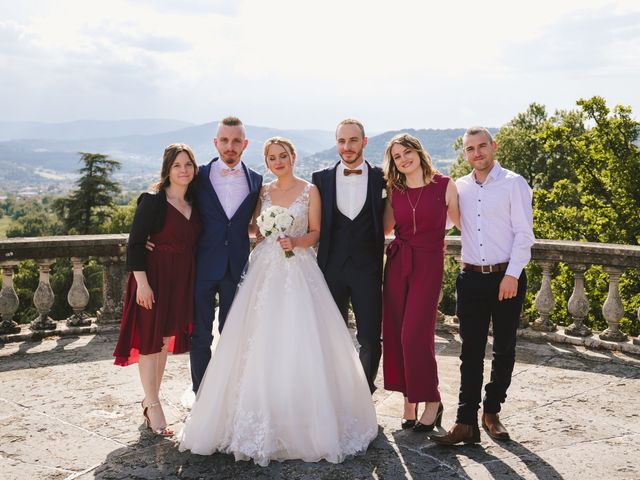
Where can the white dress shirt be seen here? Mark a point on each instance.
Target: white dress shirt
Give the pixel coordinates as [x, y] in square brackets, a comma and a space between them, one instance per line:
[497, 220]
[351, 190]
[231, 189]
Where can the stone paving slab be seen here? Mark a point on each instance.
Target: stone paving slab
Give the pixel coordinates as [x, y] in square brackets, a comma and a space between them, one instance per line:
[66, 412]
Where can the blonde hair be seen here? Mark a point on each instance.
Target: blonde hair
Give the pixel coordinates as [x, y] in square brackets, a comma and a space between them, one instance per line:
[395, 178]
[283, 142]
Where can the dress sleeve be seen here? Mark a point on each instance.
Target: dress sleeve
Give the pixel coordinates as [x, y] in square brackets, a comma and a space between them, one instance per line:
[140, 229]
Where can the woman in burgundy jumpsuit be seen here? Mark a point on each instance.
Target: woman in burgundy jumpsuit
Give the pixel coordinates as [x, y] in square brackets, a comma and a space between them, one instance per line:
[419, 202]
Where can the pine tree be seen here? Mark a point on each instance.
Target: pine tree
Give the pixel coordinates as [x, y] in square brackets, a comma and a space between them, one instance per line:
[92, 204]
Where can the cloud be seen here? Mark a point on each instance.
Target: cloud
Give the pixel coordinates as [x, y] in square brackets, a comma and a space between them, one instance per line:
[130, 35]
[595, 42]
[194, 7]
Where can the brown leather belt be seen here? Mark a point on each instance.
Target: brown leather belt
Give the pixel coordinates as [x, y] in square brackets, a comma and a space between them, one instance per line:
[500, 267]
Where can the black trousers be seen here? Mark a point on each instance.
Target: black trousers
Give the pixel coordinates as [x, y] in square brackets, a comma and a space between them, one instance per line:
[363, 287]
[477, 306]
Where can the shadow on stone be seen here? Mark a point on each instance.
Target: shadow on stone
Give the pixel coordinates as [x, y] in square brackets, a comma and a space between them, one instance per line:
[61, 351]
[154, 457]
[496, 467]
[564, 356]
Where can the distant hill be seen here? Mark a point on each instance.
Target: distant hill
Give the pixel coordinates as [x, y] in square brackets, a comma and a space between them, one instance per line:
[86, 129]
[51, 163]
[439, 144]
[46, 161]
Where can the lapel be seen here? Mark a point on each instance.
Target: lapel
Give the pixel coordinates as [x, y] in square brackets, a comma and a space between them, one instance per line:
[207, 187]
[373, 191]
[329, 197]
[253, 187]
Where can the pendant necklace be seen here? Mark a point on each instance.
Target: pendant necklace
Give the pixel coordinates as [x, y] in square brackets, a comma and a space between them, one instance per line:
[413, 207]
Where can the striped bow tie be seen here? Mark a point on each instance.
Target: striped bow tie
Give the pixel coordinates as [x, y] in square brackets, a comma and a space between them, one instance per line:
[229, 172]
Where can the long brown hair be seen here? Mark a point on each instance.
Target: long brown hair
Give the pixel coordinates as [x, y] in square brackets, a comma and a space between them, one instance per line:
[396, 179]
[168, 157]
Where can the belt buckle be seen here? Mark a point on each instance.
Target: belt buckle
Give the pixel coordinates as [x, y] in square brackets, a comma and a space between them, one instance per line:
[488, 271]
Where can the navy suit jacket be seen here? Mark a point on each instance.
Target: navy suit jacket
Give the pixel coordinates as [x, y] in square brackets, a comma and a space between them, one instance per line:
[325, 180]
[224, 241]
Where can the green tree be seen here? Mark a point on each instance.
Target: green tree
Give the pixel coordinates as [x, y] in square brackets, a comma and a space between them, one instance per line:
[34, 224]
[600, 205]
[88, 208]
[583, 166]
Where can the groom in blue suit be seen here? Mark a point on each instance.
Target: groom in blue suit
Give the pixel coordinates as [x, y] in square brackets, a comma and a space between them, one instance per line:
[227, 192]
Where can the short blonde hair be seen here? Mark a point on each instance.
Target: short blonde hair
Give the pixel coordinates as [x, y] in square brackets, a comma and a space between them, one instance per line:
[351, 121]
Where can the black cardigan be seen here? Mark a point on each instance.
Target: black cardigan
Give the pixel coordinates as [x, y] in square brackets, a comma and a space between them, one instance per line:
[149, 219]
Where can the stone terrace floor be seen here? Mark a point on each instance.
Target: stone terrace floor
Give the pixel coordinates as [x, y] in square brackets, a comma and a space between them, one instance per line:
[66, 412]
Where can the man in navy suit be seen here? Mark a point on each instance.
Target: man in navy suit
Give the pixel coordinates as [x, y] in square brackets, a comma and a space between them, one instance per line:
[227, 192]
[351, 243]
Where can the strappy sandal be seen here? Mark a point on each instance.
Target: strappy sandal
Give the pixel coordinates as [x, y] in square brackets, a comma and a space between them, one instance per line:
[161, 431]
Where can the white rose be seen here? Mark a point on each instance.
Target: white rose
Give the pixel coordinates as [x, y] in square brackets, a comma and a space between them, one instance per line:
[276, 210]
[268, 223]
[283, 221]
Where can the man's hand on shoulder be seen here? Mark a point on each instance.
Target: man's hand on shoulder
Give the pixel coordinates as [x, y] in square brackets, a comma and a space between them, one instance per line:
[150, 245]
[508, 288]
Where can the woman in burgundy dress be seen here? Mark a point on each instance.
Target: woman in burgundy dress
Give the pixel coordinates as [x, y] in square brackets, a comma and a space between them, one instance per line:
[159, 303]
[418, 204]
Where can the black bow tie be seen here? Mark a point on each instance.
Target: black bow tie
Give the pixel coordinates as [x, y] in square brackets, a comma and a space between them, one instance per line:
[348, 171]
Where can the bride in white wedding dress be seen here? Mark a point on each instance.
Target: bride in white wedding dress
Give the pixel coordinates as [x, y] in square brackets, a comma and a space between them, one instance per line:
[285, 381]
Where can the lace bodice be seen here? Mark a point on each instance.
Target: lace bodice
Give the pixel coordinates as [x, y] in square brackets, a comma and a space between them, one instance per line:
[299, 208]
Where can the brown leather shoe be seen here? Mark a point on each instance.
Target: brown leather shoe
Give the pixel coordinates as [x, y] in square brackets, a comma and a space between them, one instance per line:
[491, 423]
[458, 433]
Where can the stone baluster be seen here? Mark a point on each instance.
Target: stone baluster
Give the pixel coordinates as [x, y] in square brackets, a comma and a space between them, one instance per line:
[636, 340]
[8, 299]
[524, 321]
[78, 296]
[544, 300]
[43, 298]
[613, 310]
[114, 277]
[578, 305]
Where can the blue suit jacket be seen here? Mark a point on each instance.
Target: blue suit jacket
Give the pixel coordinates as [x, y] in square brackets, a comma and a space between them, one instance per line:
[224, 241]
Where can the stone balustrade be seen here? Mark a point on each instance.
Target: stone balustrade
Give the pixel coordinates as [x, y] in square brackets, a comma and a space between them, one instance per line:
[110, 251]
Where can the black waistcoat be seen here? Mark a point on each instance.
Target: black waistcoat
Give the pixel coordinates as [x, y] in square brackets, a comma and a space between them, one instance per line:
[354, 239]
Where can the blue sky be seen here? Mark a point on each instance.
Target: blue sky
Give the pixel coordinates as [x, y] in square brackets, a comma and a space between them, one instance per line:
[301, 64]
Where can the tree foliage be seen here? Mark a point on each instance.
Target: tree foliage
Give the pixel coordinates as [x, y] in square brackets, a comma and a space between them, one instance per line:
[583, 166]
[88, 208]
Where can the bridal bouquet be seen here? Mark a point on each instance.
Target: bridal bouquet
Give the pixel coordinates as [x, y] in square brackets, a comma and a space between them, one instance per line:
[275, 220]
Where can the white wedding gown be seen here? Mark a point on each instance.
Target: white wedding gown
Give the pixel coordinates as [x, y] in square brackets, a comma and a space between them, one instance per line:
[285, 381]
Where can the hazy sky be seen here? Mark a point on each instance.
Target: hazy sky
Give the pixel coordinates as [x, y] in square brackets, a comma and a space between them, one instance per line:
[301, 64]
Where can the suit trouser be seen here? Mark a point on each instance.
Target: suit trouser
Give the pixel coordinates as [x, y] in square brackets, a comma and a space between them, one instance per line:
[201, 334]
[363, 286]
[477, 306]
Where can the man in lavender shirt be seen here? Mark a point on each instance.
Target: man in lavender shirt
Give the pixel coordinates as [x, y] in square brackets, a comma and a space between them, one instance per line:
[226, 192]
[497, 234]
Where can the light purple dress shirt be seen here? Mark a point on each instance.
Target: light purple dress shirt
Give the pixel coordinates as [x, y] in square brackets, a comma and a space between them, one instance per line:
[497, 220]
[230, 189]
